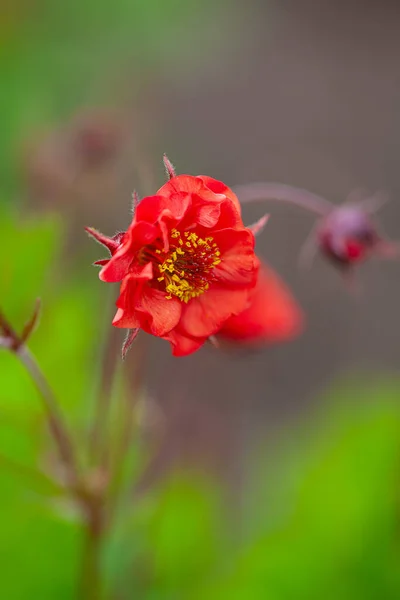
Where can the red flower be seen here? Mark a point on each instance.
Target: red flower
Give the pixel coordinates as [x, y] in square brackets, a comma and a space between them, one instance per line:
[186, 265]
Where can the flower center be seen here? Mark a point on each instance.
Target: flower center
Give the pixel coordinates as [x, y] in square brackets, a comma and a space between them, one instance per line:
[186, 268]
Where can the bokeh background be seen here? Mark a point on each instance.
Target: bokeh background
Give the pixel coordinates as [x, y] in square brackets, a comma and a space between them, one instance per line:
[272, 475]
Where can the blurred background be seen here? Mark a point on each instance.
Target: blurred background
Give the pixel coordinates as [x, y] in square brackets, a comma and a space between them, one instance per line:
[272, 475]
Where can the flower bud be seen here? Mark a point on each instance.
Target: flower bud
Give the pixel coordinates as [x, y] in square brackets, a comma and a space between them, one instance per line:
[348, 235]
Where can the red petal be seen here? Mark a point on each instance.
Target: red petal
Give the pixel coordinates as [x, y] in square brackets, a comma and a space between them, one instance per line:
[182, 345]
[152, 208]
[131, 288]
[166, 212]
[126, 319]
[218, 187]
[141, 234]
[138, 235]
[205, 203]
[239, 265]
[142, 273]
[203, 316]
[182, 183]
[229, 216]
[272, 316]
[138, 275]
[143, 306]
[207, 214]
[158, 315]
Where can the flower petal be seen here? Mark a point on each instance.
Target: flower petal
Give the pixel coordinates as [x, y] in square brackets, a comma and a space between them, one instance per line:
[273, 314]
[190, 184]
[131, 287]
[218, 187]
[183, 345]
[138, 235]
[125, 319]
[239, 265]
[152, 208]
[166, 212]
[142, 306]
[158, 315]
[203, 316]
[229, 216]
[207, 214]
[205, 203]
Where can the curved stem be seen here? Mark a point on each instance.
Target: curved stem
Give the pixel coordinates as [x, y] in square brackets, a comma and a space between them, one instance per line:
[36, 477]
[90, 502]
[56, 423]
[90, 580]
[280, 192]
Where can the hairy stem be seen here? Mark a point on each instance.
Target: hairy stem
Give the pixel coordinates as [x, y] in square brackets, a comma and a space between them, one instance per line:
[55, 419]
[90, 502]
[87, 493]
[254, 192]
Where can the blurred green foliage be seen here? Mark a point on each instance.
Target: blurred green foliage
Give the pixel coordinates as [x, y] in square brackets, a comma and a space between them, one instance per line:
[322, 516]
[324, 520]
[29, 530]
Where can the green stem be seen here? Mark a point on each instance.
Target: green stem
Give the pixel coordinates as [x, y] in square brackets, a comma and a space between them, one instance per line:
[90, 581]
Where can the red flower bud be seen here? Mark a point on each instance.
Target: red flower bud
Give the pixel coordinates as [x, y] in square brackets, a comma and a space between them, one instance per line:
[348, 235]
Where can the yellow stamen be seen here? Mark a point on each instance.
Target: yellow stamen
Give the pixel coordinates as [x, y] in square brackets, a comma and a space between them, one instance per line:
[187, 267]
